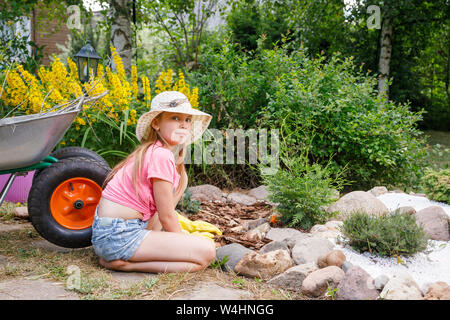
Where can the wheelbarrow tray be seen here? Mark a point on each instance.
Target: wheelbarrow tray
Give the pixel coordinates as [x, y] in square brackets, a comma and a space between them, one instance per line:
[26, 140]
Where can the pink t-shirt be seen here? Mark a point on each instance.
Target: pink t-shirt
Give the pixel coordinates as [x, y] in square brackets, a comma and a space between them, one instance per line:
[159, 163]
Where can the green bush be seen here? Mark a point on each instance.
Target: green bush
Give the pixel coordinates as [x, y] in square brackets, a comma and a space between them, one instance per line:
[302, 191]
[329, 99]
[387, 235]
[437, 184]
[377, 139]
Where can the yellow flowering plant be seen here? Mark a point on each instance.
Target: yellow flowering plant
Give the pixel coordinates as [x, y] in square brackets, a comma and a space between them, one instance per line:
[103, 126]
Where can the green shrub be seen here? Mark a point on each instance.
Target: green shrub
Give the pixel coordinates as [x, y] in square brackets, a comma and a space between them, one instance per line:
[387, 235]
[377, 139]
[437, 184]
[302, 191]
[329, 97]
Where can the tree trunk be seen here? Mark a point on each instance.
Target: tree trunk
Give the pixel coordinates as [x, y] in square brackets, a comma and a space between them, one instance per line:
[385, 56]
[121, 30]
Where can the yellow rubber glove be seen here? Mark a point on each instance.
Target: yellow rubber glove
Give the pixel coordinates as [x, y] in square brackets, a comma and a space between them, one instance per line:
[198, 228]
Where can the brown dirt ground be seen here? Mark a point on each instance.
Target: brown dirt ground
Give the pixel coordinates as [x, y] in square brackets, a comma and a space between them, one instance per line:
[226, 216]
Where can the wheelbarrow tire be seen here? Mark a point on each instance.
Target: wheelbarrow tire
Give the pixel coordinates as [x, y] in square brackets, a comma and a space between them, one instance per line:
[52, 185]
[70, 152]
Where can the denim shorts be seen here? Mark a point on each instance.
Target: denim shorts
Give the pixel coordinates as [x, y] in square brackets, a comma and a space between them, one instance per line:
[117, 238]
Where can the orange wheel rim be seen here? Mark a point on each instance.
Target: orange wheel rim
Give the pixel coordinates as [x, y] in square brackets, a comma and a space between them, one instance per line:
[74, 201]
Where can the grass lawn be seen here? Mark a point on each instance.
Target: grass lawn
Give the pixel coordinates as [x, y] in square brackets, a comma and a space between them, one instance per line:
[24, 259]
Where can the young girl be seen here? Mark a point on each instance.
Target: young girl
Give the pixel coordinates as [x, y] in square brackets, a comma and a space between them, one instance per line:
[136, 227]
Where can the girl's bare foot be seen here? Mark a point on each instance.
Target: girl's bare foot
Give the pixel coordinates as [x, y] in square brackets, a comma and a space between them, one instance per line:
[114, 264]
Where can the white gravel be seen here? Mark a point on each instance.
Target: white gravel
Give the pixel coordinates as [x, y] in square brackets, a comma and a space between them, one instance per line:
[425, 267]
[394, 200]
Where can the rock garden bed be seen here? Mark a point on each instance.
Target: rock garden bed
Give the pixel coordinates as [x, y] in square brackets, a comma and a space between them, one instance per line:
[316, 263]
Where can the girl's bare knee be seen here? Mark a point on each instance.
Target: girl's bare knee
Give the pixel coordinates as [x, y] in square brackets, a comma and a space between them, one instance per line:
[209, 254]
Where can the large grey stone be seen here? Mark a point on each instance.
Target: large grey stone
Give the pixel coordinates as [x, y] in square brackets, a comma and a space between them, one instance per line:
[346, 265]
[357, 201]
[207, 192]
[257, 233]
[275, 245]
[251, 224]
[378, 191]
[434, 220]
[438, 291]
[264, 266]
[310, 249]
[260, 193]
[292, 278]
[240, 198]
[380, 281]
[332, 258]
[317, 282]
[401, 286]
[356, 285]
[279, 234]
[234, 251]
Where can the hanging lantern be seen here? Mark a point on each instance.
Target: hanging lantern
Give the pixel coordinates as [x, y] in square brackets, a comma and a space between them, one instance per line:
[87, 61]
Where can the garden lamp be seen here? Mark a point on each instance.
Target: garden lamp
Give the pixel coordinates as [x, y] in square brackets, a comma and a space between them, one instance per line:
[86, 59]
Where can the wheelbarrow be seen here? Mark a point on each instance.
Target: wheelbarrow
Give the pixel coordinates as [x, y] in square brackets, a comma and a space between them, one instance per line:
[67, 184]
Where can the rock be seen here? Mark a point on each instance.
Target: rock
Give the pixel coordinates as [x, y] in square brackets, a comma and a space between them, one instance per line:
[380, 281]
[21, 212]
[401, 286]
[317, 282]
[238, 229]
[346, 265]
[257, 233]
[251, 224]
[318, 228]
[275, 245]
[378, 191]
[334, 225]
[260, 193]
[322, 231]
[310, 249]
[292, 278]
[279, 234]
[438, 291]
[356, 285]
[207, 192]
[265, 265]
[333, 258]
[357, 201]
[240, 198]
[234, 251]
[434, 220]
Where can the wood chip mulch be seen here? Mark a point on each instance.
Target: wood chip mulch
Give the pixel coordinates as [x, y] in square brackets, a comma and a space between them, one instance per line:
[226, 216]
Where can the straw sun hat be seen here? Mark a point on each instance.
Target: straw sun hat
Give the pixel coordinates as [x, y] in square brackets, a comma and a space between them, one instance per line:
[173, 101]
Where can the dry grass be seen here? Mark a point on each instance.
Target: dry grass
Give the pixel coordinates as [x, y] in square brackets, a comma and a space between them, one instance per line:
[23, 257]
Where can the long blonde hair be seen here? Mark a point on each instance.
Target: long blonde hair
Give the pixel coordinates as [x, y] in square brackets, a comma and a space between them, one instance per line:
[139, 154]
